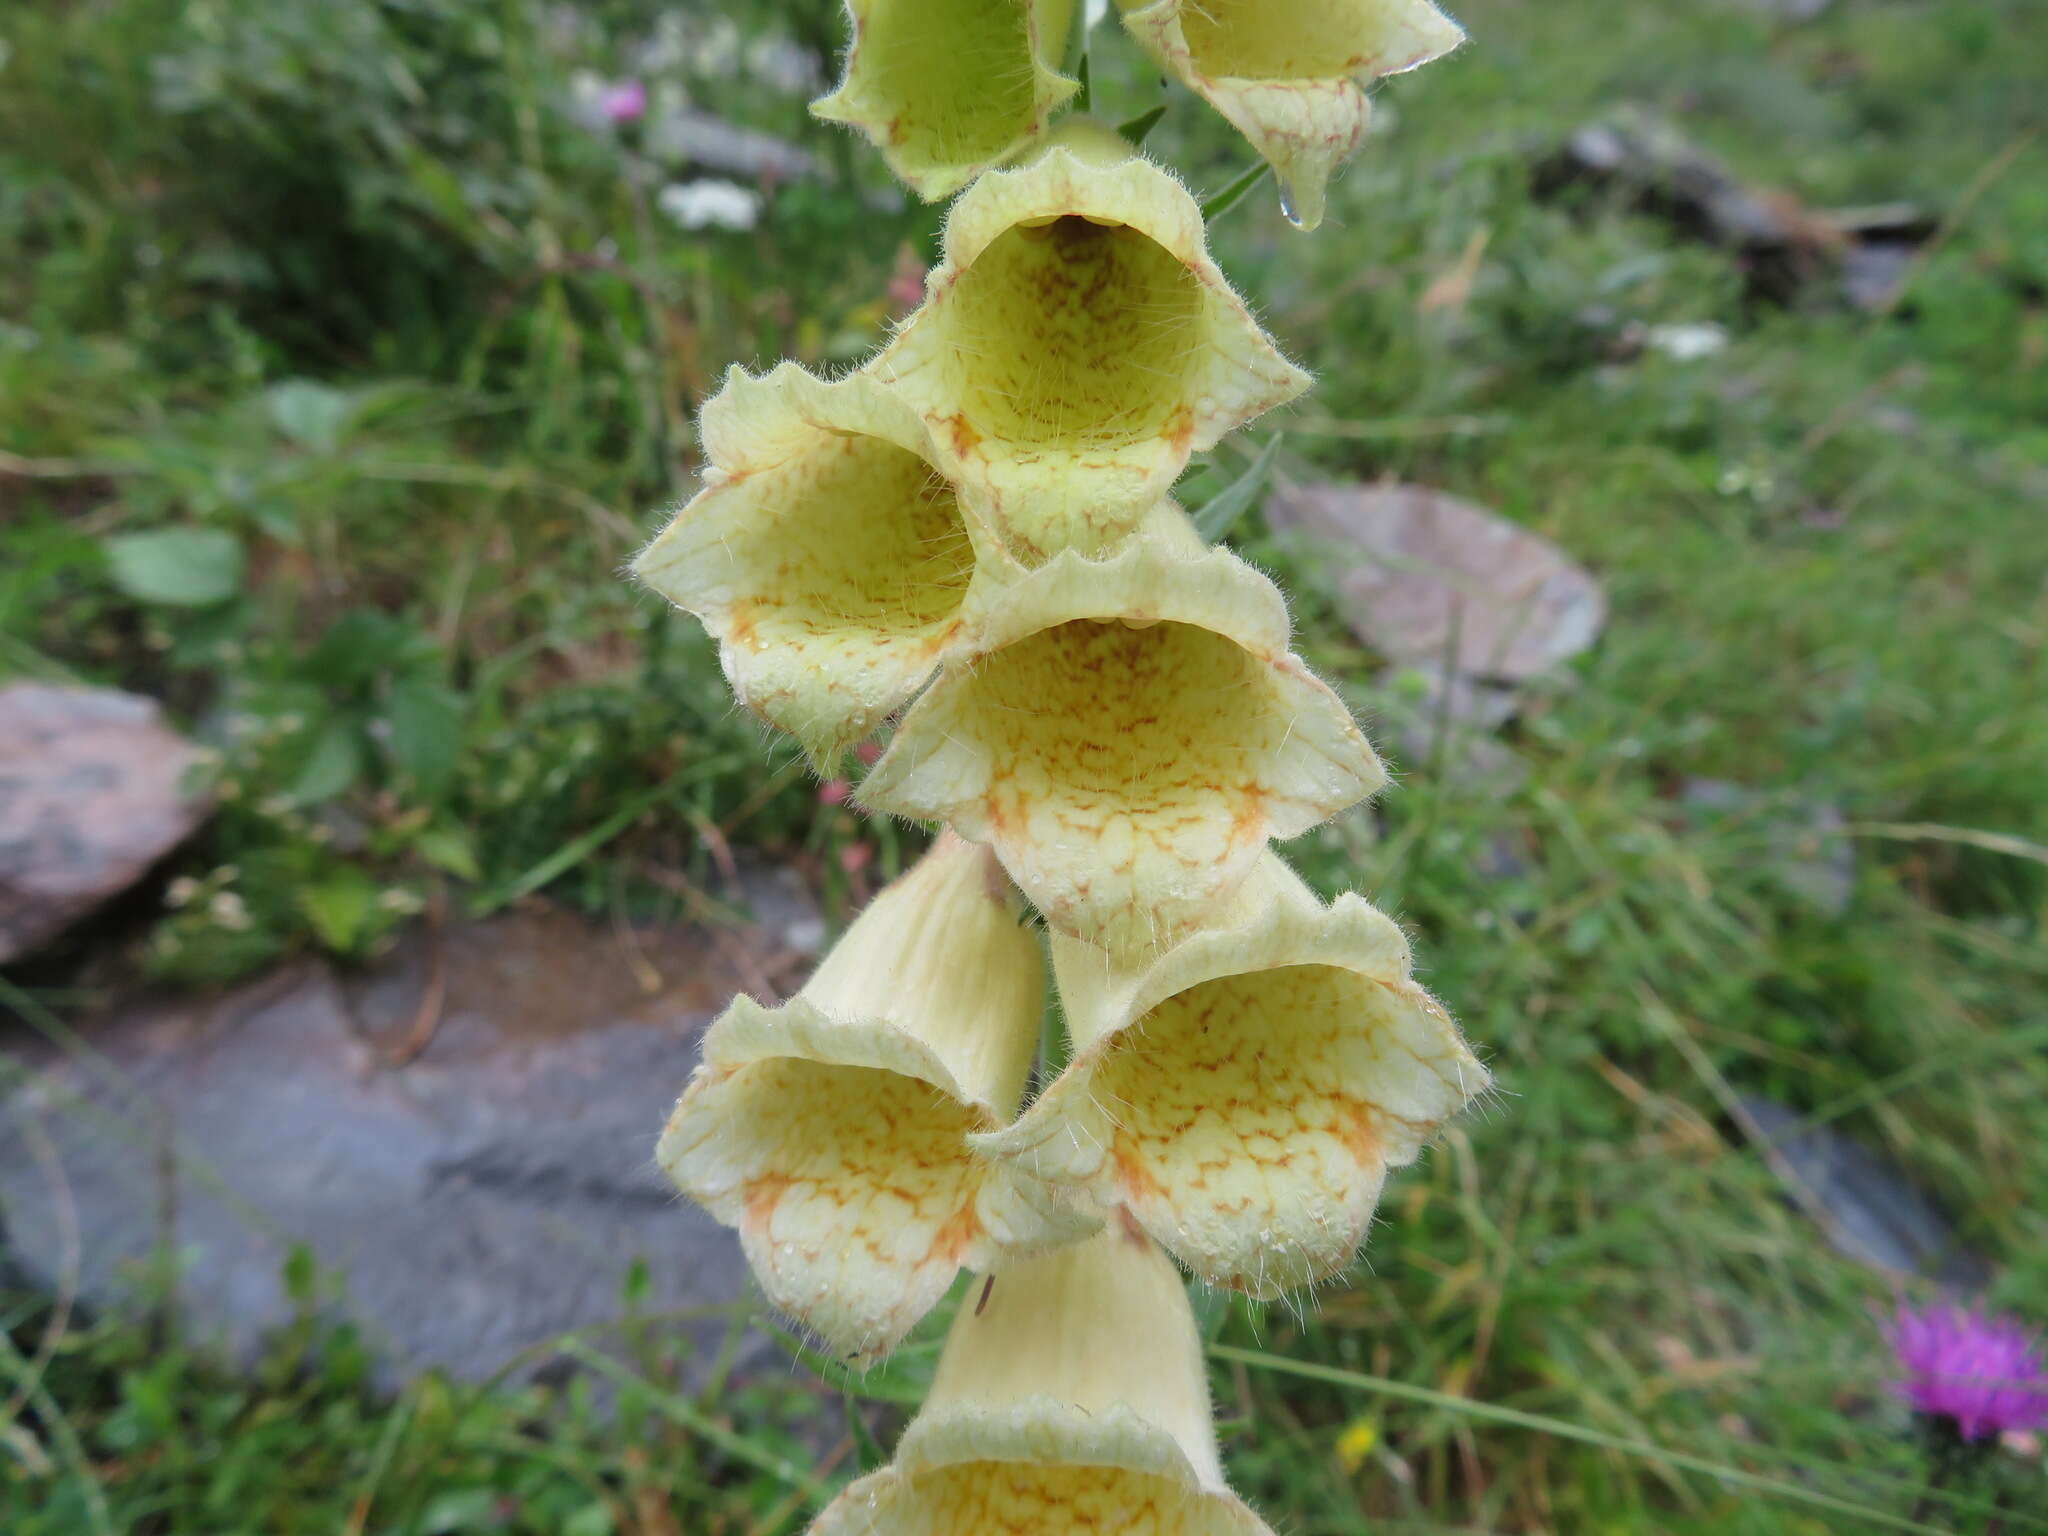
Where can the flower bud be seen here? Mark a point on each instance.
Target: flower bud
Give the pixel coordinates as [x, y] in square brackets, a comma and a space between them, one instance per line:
[832, 1131]
[1291, 75]
[1127, 733]
[825, 552]
[1077, 345]
[1070, 1401]
[945, 88]
[1245, 1094]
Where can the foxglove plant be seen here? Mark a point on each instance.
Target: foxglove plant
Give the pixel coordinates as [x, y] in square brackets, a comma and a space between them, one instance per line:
[1243, 1095]
[1126, 733]
[971, 537]
[1292, 76]
[1076, 344]
[947, 88]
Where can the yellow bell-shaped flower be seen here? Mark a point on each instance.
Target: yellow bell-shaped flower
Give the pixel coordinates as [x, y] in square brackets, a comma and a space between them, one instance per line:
[946, 88]
[826, 553]
[832, 1132]
[1077, 344]
[1245, 1094]
[1292, 75]
[1126, 734]
[1070, 1400]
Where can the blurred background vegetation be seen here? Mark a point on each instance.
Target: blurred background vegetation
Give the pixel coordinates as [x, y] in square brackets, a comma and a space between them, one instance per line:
[347, 352]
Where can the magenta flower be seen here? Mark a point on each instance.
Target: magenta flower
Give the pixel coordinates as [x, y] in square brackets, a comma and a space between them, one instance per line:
[624, 102]
[1984, 1373]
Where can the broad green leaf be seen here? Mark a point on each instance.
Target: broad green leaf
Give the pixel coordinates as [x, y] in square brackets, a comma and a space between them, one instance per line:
[332, 764]
[426, 732]
[356, 647]
[183, 567]
[312, 415]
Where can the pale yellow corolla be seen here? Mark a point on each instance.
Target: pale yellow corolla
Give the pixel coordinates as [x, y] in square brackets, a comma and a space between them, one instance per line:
[1126, 734]
[833, 1131]
[1292, 75]
[946, 88]
[826, 552]
[1077, 345]
[1070, 1400]
[1245, 1094]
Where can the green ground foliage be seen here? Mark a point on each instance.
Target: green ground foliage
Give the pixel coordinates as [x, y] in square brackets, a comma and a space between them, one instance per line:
[342, 367]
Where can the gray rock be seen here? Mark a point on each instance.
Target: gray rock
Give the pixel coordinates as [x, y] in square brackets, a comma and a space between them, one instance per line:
[1787, 10]
[1440, 724]
[1649, 158]
[691, 137]
[463, 1137]
[1873, 1212]
[1782, 244]
[1800, 842]
[93, 790]
[1438, 583]
[1872, 272]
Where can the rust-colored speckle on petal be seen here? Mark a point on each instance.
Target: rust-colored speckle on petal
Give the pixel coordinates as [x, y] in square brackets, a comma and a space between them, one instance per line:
[760, 1199]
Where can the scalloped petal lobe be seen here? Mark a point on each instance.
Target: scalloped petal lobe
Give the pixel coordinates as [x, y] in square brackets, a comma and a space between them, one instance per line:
[1077, 345]
[945, 88]
[1127, 735]
[826, 553]
[1244, 1095]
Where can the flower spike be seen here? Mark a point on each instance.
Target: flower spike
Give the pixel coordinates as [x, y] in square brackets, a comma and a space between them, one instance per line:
[1127, 733]
[946, 88]
[1077, 345]
[1072, 1402]
[1245, 1094]
[832, 1131]
[826, 553]
[1292, 75]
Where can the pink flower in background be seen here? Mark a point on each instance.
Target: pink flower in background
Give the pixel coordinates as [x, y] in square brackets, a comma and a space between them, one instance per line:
[906, 284]
[1983, 1372]
[834, 792]
[624, 102]
[867, 752]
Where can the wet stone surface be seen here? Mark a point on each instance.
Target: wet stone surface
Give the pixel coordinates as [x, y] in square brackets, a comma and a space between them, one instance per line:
[93, 790]
[462, 1137]
[1875, 1213]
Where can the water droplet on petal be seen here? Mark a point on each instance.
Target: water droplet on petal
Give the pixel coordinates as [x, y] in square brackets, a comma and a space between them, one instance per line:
[1287, 208]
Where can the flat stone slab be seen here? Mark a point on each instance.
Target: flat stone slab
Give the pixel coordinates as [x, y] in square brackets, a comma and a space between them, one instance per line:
[1876, 1214]
[94, 789]
[462, 1137]
[1434, 582]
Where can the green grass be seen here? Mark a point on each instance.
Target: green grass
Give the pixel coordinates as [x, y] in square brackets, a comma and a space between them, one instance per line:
[1826, 563]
